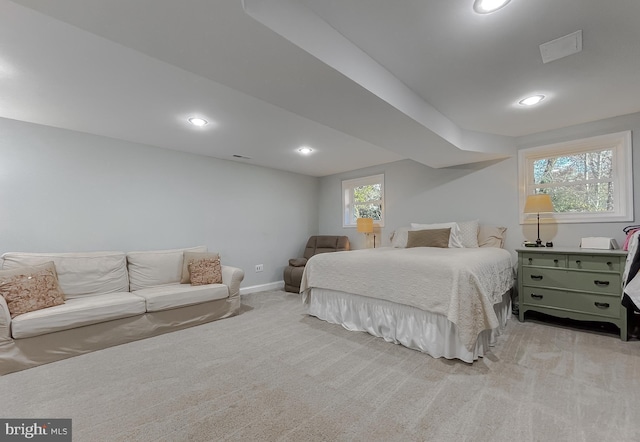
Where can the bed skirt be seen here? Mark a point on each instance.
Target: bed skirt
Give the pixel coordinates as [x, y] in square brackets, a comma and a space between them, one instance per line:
[428, 332]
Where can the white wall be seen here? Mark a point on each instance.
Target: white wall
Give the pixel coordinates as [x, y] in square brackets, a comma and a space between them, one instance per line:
[68, 191]
[489, 192]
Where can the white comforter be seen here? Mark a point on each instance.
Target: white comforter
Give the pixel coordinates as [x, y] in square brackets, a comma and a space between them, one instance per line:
[460, 283]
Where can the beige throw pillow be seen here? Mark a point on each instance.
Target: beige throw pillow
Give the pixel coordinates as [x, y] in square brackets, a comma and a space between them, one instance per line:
[30, 288]
[491, 236]
[454, 237]
[188, 256]
[205, 271]
[429, 238]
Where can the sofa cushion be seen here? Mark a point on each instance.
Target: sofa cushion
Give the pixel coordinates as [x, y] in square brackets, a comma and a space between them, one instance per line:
[30, 288]
[188, 256]
[157, 267]
[79, 274]
[77, 312]
[178, 295]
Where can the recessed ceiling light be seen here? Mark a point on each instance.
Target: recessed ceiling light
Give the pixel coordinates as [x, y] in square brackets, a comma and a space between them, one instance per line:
[305, 150]
[530, 101]
[198, 121]
[487, 6]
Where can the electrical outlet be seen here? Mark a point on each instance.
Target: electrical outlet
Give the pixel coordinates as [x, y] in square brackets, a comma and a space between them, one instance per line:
[259, 267]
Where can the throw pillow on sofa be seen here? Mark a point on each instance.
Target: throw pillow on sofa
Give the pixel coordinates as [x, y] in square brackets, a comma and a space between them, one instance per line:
[31, 288]
[205, 271]
[190, 256]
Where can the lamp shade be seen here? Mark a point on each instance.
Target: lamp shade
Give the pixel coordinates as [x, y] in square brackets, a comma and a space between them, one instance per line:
[365, 225]
[538, 203]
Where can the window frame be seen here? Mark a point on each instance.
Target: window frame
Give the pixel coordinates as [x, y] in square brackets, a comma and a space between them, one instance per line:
[347, 205]
[622, 175]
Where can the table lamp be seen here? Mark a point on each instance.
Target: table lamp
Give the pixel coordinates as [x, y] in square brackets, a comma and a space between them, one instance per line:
[538, 203]
[365, 225]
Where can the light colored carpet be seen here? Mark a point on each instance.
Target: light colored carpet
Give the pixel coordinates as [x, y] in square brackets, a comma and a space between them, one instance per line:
[273, 373]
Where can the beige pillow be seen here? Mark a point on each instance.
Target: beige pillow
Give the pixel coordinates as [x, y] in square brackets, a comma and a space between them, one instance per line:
[205, 271]
[429, 238]
[30, 288]
[185, 279]
[454, 237]
[491, 236]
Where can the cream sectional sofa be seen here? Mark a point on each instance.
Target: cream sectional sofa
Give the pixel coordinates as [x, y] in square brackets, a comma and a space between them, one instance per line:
[110, 298]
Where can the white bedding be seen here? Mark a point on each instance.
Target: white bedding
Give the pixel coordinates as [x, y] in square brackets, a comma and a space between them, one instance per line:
[462, 284]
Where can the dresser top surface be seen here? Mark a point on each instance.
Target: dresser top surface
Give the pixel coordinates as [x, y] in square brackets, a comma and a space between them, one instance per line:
[572, 250]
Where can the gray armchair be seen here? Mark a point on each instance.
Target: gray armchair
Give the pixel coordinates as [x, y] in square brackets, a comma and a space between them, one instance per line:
[316, 244]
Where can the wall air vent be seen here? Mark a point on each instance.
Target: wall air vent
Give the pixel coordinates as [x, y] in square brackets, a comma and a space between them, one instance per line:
[561, 47]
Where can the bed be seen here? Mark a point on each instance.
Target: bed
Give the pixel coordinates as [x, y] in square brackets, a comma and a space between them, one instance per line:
[447, 302]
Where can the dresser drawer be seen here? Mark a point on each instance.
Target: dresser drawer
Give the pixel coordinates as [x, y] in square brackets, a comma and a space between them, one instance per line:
[594, 262]
[594, 282]
[545, 277]
[544, 259]
[601, 305]
[572, 280]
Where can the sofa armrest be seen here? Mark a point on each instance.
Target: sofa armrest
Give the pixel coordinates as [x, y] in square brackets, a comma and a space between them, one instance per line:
[298, 262]
[232, 277]
[5, 320]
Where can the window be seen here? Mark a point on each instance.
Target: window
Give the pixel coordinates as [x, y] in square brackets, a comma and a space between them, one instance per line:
[589, 180]
[363, 198]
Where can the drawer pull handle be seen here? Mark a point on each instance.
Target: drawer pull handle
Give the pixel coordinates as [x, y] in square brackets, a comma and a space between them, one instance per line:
[556, 261]
[609, 263]
[601, 283]
[601, 304]
[536, 277]
[530, 260]
[535, 296]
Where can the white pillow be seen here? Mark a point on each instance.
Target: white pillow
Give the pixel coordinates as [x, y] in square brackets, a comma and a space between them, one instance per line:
[400, 237]
[469, 232]
[454, 237]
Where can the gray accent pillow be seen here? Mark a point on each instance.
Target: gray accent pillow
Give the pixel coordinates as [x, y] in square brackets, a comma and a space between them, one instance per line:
[429, 238]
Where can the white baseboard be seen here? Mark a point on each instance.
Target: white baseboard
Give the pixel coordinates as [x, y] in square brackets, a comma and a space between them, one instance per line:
[278, 285]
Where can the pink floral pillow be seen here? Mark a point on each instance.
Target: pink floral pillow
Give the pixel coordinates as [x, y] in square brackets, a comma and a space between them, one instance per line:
[26, 289]
[205, 271]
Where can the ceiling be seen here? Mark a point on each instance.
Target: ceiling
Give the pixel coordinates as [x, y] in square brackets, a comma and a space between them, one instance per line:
[362, 82]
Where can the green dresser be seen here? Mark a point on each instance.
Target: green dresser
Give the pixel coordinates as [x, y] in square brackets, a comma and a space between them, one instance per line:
[582, 284]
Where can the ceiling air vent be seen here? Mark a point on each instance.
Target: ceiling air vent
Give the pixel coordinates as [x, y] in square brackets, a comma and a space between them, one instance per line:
[561, 47]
